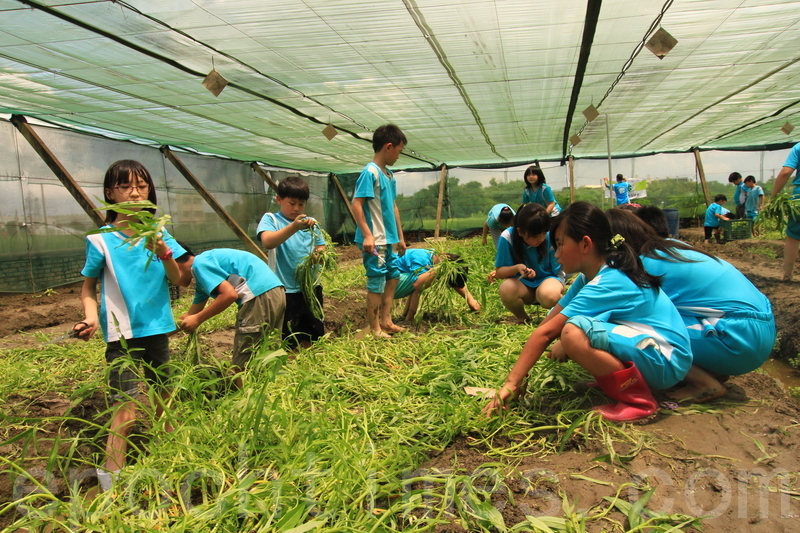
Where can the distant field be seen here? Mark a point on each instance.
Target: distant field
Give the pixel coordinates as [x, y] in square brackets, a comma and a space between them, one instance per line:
[451, 224]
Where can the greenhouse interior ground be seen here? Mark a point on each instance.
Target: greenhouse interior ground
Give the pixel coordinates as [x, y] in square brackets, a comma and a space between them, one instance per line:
[357, 432]
[222, 100]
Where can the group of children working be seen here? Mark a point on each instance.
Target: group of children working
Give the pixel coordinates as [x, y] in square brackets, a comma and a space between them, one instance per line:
[135, 313]
[642, 314]
[748, 199]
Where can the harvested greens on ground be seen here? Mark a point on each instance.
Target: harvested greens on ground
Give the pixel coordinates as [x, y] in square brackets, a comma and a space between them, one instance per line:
[365, 435]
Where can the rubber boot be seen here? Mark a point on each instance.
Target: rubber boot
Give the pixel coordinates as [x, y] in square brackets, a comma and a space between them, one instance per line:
[629, 388]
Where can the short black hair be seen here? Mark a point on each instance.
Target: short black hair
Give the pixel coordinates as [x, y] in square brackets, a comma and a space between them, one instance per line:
[293, 187]
[388, 133]
[734, 176]
[185, 256]
[719, 197]
[750, 178]
[620, 177]
[459, 279]
[655, 218]
[506, 215]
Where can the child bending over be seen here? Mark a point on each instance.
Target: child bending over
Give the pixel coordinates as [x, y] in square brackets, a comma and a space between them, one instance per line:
[416, 276]
[229, 276]
[499, 218]
[714, 214]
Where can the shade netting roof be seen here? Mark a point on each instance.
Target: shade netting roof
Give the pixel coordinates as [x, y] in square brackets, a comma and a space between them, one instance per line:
[471, 82]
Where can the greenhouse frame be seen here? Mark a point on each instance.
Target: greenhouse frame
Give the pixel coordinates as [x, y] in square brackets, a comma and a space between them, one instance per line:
[239, 93]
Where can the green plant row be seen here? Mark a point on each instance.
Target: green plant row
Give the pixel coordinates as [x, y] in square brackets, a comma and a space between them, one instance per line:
[334, 440]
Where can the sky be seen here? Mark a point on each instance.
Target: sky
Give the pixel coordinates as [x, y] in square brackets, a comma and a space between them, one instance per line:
[716, 164]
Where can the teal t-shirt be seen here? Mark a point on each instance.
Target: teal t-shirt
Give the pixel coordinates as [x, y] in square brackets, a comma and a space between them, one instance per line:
[134, 302]
[711, 220]
[248, 274]
[544, 267]
[290, 252]
[613, 298]
[379, 192]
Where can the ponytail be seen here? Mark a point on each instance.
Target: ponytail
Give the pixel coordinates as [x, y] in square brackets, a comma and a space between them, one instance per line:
[645, 241]
[582, 219]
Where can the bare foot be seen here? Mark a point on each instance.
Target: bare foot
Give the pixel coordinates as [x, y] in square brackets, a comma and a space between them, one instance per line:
[391, 329]
[696, 394]
[701, 387]
[380, 334]
[473, 304]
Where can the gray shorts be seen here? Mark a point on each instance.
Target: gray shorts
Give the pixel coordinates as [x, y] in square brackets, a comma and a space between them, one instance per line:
[150, 353]
[255, 318]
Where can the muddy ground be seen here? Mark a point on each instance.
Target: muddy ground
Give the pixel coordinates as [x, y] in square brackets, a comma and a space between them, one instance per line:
[736, 460]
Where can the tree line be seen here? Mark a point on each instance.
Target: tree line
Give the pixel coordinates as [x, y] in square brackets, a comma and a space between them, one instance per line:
[472, 199]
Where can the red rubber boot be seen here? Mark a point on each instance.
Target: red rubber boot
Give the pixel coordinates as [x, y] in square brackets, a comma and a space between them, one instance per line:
[629, 388]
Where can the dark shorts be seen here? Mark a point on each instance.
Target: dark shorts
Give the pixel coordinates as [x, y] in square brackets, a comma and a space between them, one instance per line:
[793, 227]
[151, 353]
[300, 324]
[709, 229]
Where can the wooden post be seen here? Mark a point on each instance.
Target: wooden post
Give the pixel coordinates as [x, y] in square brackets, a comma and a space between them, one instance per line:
[439, 203]
[265, 176]
[702, 173]
[248, 242]
[608, 150]
[571, 179]
[346, 201]
[58, 169]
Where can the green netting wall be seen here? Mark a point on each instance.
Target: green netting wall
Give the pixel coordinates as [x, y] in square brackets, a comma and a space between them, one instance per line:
[42, 227]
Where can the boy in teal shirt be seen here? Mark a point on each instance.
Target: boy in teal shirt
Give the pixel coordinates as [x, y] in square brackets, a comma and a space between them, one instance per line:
[755, 198]
[378, 228]
[714, 214]
[229, 276]
[739, 195]
[415, 276]
[287, 237]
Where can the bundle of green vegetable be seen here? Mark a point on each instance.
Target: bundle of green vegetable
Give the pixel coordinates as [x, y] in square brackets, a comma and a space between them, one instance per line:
[310, 269]
[145, 225]
[439, 293]
[777, 212]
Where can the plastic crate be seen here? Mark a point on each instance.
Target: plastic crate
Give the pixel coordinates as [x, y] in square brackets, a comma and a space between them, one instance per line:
[736, 229]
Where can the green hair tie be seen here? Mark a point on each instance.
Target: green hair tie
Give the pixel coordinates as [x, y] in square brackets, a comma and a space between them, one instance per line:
[616, 240]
